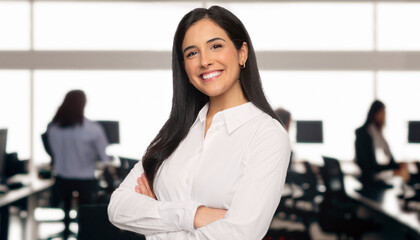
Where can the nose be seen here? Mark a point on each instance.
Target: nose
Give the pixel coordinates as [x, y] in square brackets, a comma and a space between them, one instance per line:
[206, 60]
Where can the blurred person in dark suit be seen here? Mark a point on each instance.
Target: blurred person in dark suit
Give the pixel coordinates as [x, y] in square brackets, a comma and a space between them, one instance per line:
[373, 154]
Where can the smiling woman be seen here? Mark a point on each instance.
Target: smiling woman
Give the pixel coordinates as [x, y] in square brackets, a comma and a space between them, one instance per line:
[208, 58]
[216, 169]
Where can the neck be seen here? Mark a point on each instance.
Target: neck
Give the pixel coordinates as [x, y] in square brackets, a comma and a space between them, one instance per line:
[229, 99]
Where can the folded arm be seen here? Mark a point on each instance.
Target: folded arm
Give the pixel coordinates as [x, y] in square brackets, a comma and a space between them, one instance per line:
[139, 213]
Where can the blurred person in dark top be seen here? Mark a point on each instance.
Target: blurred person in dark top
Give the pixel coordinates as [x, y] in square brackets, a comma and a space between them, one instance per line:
[373, 154]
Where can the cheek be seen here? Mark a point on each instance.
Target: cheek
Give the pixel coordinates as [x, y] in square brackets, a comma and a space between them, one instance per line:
[230, 57]
[231, 60]
[189, 69]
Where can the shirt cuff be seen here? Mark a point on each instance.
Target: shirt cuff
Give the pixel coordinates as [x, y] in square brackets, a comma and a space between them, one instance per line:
[180, 214]
[188, 221]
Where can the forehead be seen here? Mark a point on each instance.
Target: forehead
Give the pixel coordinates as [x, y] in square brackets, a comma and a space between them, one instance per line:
[202, 31]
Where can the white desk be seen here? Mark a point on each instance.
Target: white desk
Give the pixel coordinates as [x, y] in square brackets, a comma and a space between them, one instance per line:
[386, 203]
[33, 186]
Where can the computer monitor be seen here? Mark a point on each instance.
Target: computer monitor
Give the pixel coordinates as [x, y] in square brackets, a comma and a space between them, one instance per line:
[309, 132]
[112, 131]
[3, 138]
[414, 131]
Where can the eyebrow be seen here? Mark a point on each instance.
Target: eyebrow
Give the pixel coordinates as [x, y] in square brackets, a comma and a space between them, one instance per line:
[209, 41]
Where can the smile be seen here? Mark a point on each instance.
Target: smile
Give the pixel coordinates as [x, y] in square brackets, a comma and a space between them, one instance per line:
[211, 75]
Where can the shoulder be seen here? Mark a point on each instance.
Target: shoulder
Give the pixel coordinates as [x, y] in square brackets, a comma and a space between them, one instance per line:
[361, 132]
[270, 144]
[270, 132]
[92, 126]
[51, 126]
[271, 128]
[89, 123]
[267, 124]
[54, 128]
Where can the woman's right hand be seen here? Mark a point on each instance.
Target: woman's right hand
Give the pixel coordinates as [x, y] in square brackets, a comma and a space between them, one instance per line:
[205, 215]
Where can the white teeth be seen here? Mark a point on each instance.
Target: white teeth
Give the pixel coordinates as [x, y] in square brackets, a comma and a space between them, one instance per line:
[210, 75]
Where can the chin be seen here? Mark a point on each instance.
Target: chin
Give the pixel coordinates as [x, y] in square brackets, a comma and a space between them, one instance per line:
[211, 92]
[215, 93]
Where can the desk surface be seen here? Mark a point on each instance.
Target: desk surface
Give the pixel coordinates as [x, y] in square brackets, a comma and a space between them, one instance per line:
[386, 203]
[31, 186]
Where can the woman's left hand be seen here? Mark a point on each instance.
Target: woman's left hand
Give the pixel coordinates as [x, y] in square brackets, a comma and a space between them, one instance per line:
[143, 187]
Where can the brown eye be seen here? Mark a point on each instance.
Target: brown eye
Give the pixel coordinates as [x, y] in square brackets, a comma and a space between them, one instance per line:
[216, 46]
[192, 53]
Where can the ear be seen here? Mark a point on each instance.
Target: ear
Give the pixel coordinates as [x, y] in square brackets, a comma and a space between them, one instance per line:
[243, 53]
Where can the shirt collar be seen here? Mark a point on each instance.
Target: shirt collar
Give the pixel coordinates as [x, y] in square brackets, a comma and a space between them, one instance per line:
[234, 117]
[203, 112]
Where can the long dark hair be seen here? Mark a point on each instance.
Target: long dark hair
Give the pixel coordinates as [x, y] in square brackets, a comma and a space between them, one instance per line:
[187, 100]
[71, 111]
[374, 109]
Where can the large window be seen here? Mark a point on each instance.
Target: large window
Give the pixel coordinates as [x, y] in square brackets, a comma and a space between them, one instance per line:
[14, 25]
[15, 110]
[106, 25]
[339, 99]
[400, 93]
[307, 26]
[397, 24]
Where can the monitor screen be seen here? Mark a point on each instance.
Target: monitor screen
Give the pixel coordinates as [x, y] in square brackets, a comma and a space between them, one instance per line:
[3, 138]
[414, 131]
[112, 131]
[309, 132]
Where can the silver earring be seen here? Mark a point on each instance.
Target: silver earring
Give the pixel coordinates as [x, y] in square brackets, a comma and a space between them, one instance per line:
[242, 66]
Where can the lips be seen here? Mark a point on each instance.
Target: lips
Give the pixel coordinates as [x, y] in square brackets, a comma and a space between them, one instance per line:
[208, 76]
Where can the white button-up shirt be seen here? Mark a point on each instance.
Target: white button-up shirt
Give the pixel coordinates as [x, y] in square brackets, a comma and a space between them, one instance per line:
[240, 165]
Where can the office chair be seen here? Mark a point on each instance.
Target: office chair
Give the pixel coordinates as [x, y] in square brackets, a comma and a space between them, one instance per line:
[300, 208]
[337, 211]
[126, 165]
[307, 205]
[94, 224]
[109, 183]
[415, 179]
[286, 235]
[411, 202]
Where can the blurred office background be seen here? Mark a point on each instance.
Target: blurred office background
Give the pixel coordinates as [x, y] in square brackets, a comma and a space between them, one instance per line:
[321, 60]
